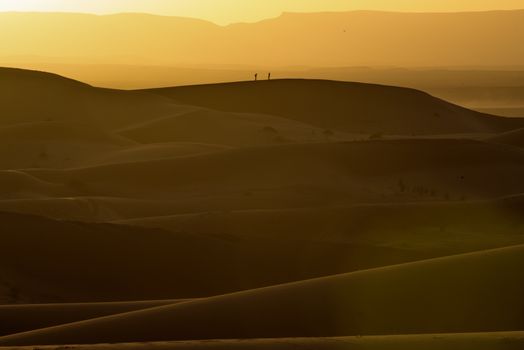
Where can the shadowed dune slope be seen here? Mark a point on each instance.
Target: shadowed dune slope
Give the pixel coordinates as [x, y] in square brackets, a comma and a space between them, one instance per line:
[226, 128]
[446, 295]
[104, 209]
[462, 341]
[359, 171]
[156, 151]
[19, 184]
[441, 227]
[79, 262]
[350, 107]
[55, 144]
[20, 318]
[512, 138]
[70, 131]
[73, 208]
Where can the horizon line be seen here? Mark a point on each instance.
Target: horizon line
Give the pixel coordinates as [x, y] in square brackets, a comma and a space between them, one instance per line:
[283, 13]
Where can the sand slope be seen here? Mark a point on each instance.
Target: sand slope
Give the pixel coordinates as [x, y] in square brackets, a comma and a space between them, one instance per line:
[445, 295]
[255, 208]
[29, 96]
[349, 107]
[466, 341]
[156, 151]
[330, 106]
[102, 262]
[20, 318]
[16, 184]
[232, 129]
[357, 171]
[512, 138]
[441, 227]
[53, 144]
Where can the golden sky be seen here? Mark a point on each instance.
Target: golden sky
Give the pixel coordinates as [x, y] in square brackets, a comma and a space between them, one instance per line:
[227, 11]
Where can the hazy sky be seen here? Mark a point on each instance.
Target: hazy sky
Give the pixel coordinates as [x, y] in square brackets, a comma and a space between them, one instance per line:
[226, 11]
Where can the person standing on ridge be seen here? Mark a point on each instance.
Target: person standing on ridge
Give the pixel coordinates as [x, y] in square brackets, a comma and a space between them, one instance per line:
[269, 76]
[256, 76]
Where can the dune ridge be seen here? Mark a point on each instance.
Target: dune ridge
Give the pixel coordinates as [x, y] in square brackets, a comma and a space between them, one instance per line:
[464, 341]
[442, 295]
[18, 318]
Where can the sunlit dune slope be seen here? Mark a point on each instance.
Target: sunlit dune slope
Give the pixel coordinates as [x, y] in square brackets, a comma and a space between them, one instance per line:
[105, 209]
[66, 131]
[446, 295]
[351, 107]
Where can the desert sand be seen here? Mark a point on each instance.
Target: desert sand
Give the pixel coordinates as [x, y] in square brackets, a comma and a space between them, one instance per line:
[466, 341]
[444, 295]
[279, 214]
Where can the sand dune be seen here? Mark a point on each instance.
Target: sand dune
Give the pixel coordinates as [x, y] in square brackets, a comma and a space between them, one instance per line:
[349, 107]
[105, 209]
[52, 130]
[445, 295]
[29, 96]
[512, 138]
[463, 341]
[443, 228]
[20, 318]
[278, 209]
[102, 262]
[232, 129]
[19, 184]
[156, 151]
[357, 171]
[55, 144]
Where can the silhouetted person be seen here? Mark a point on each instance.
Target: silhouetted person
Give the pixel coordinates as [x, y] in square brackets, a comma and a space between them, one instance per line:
[269, 76]
[256, 76]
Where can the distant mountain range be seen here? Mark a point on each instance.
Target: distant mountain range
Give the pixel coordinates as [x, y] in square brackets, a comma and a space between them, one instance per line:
[312, 39]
